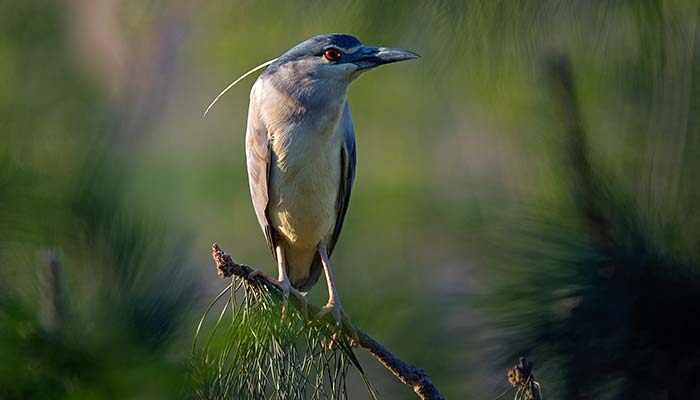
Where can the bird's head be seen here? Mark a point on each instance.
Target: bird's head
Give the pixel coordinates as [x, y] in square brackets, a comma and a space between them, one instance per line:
[328, 62]
[335, 57]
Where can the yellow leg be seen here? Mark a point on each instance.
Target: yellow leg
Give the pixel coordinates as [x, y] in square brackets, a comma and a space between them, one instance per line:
[283, 283]
[333, 306]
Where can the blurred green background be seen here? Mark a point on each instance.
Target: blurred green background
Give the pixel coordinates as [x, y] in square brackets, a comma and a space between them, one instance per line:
[469, 239]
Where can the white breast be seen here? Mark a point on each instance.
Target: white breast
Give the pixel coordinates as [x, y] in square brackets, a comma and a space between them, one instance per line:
[305, 171]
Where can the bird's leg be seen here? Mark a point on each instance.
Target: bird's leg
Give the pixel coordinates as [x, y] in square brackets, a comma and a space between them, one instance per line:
[283, 283]
[286, 286]
[333, 306]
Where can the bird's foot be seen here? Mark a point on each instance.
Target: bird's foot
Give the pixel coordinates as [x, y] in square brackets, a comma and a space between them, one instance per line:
[258, 273]
[286, 287]
[342, 324]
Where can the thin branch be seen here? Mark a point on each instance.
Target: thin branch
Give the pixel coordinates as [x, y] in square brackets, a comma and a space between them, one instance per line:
[405, 372]
[585, 184]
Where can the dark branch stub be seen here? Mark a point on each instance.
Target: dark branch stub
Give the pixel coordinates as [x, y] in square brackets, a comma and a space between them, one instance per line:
[225, 266]
[408, 374]
[521, 377]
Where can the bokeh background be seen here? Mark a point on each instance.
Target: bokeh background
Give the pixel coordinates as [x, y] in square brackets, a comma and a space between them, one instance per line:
[528, 187]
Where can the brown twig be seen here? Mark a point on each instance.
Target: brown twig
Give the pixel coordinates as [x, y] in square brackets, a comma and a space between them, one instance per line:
[405, 372]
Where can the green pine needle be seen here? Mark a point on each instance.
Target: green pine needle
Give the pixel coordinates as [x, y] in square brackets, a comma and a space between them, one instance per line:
[266, 353]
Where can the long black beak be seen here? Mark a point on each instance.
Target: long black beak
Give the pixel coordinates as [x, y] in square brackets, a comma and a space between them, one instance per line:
[370, 57]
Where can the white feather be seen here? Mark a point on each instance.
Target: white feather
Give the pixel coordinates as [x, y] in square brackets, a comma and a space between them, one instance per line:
[232, 84]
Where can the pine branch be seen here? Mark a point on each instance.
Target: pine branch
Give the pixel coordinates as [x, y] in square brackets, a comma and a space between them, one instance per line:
[408, 374]
[585, 185]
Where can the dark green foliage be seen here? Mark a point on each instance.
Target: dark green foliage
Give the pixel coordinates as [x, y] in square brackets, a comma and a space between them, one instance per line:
[607, 299]
[119, 280]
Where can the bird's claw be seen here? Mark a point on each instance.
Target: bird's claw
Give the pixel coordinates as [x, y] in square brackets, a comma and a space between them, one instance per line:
[342, 324]
[286, 289]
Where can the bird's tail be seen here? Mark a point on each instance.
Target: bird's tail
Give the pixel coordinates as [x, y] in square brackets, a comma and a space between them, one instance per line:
[303, 268]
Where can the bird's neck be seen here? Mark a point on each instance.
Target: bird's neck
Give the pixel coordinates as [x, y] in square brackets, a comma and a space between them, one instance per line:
[312, 107]
[311, 90]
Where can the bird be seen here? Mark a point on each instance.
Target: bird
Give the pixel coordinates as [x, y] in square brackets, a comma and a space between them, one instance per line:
[301, 156]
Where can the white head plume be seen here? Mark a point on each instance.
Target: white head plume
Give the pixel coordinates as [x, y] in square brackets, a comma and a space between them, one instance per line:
[261, 66]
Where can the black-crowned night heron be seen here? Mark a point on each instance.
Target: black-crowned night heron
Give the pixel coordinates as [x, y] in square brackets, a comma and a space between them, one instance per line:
[300, 150]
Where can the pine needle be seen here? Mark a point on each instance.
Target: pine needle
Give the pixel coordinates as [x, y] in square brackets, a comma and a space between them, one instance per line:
[265, 356]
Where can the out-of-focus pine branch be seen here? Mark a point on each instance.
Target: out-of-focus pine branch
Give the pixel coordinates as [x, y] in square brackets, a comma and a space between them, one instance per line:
[585, 185]
[627, 321]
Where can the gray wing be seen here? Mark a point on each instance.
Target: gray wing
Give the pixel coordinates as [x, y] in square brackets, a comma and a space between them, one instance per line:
[257, 150]
[348, 159]
[347, 178]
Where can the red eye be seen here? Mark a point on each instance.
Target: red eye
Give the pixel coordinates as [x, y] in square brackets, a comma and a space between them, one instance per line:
[332, 55]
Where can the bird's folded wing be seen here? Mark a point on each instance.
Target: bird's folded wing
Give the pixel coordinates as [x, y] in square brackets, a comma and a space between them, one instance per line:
[347, 177]
[257, 146]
